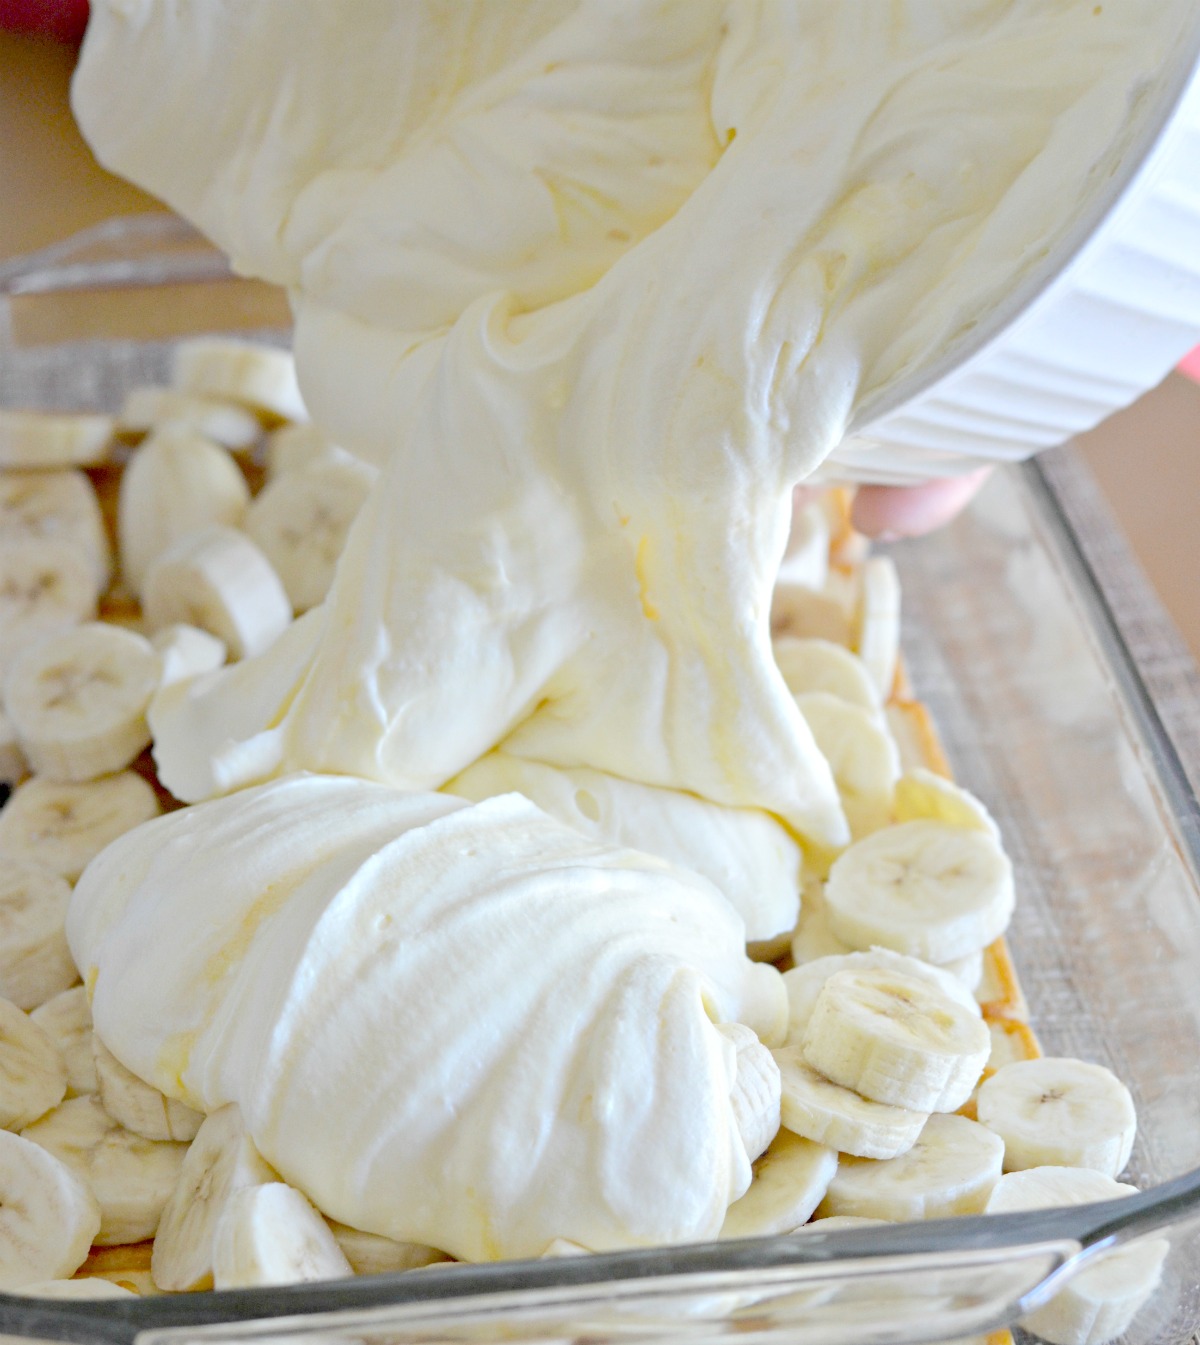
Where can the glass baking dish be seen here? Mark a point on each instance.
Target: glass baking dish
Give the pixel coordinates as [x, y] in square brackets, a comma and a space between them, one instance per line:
[1043, 713]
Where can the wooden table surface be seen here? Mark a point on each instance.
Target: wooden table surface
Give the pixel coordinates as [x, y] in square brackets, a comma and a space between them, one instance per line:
[1146, 459]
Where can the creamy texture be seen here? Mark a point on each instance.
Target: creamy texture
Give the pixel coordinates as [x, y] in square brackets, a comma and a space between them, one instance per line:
[360, 982]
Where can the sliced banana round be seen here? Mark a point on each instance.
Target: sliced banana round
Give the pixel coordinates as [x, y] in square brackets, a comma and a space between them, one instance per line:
[55, 504]
[803, 984]
[221, 1160]
[148, 408]
[219, 580]
[138, 1106]
[301, 520]
[861, 754]
[271, 1235]
[896, 1039]
[373, 1254]
[78, 700]
[67, 1021]
[922, 795]
[90, 1286]
[46, 585]
[48, 1216]
[806, 558]
[177, 483]
[131, 1177]
[41, 439]
[35, 962]
[1059, 1112]
[813, 936]
[875, 630]
[820, 665]
[254, 375]
[790, 1181]
[1100, 1301]
[186, 651]
[826, 1113]
[754, 1096]
[926, 889]
[968, 969]
[292, 447]
[63, 827]
[13, 766]
[951, 1169]
[810, 614]
[33, 1075]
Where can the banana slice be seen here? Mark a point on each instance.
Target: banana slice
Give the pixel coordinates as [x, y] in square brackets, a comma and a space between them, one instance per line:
[922, 795]
[131, 1177]
[38, 439]
[301, 519]
[951, 1169]
[91, 1286]
[806, 559]
[875, 630]
[371, 1254]
[1059, 1112]
[754, 1096]
[177, 483]
[926, 889]
[55, 504]
[33, 1075]
[78, 700]
[258, 376]
[1100, 1301]
[271, 1235]
[861, 754]
[220, 581]
[137, 1105]
[826, 1113]
[35, 962]
[221, 1160]
[67, 1021]
[790, 1180]
[186, 651]
[895, 1039]
[48, 1217]
[803, 984]
[147, 409]
[46, 585]
[821, 665]
[293, 447]
[63, 827]
[810, 614]
[13, 766]
[813, 936]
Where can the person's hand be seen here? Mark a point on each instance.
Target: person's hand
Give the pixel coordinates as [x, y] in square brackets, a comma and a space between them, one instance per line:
[890, 512]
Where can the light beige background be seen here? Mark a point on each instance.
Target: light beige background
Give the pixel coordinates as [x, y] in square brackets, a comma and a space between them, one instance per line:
[1147, 459]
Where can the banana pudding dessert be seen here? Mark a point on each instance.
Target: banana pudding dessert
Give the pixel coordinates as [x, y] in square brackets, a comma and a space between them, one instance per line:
[557, 874]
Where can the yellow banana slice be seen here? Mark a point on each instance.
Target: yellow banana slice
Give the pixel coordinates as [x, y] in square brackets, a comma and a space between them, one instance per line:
[39, 439]
[138, 1106]
[176, 483]
[131, 1177]
[861, 754]
[271, 1235]
[1059, 1112]
[894, 1038]
[821, 665]
[78, 700]
[147, 409]
[221, 1160]
[220, 581]
[64, 826]
[875, 629]
[35, 962]
[922, 795]
[33, 1075]
[754, 1096]
[293, 447]
[46, 585]
[951, 1169]
[789, 1182]
[371, 1254]
[186, 651]
[48, 1217]
[254, 375]
[925, 889]
[67, 1021]
[58, 504]
[810, 614]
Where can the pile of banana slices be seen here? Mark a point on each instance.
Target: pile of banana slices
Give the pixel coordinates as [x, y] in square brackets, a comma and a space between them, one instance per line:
[909, 1086]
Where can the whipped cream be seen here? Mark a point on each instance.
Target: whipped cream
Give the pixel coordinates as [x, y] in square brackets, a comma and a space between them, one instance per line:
[594, 284]
[359, 980]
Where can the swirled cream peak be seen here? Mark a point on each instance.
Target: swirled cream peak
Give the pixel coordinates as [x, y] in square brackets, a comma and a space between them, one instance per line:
[596, 283]
[351, 965]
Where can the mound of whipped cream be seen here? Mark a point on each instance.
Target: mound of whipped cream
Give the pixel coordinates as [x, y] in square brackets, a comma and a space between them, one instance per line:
[594, 284]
